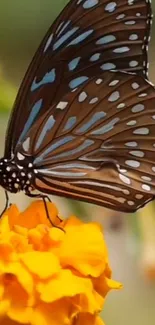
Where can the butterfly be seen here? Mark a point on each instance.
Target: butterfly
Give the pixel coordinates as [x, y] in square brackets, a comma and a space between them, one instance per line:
[83, 122]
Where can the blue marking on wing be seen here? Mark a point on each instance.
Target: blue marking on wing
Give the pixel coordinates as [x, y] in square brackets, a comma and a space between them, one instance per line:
[95, 57]
[84, 145]
[59, 27]
[95, 118]
[106, 39]
[73, 165]
[48, 78]
[34, 112]
[48, 42]
[74, 63]
[77, 81]
[63, 38]
[47, 127]
[69, 124]
[108, 66]
[63, 27]
[61, 174]
[81, 37]
[106, 128]
[53, 147]
[90, 4]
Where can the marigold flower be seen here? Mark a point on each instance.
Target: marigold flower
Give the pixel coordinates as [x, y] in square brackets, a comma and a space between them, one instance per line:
[49, 276]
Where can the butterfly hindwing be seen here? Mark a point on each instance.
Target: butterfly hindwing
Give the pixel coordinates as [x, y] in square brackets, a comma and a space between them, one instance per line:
[97, 143]
[88, 37]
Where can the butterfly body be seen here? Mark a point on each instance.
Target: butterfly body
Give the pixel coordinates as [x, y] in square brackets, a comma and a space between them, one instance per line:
[83, 123]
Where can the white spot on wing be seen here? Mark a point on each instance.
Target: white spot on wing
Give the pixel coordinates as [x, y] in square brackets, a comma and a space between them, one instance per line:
[135, 85]
[62, 105]
[137, 108]
[124, 179]
[113, 83]
[130, 22]
[133, 63]
[132, 163]
[121, 105]
[121, 16]
[146, 178]
[142, 95]
[131, 123]
[137, 153]
[133, 37]
[94, 100]
[20, 156]
[139, 196]
[26, 144]
[146, 187]
[99, 81]
[82, 97]
[110, 7]
[130, 203]
[141, 131]
[114, 96]
[131, 144]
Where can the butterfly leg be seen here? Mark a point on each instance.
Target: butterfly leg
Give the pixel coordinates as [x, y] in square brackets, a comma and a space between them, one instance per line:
[41, 196]
[6, 204]
[44, 198]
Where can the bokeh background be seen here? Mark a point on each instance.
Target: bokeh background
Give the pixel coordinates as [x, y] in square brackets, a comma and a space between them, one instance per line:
[130, 238]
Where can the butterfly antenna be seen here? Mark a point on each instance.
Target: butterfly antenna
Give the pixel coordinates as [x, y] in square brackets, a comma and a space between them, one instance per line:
[6, 203]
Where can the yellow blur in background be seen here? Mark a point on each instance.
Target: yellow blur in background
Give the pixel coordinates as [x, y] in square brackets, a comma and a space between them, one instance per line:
[130, 238]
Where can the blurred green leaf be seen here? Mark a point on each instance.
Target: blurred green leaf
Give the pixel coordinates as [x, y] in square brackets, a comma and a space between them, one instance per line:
[7, 96]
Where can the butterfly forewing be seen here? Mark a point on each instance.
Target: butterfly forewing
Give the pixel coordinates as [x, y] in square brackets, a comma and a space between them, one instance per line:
[97, 143]
[88, 37]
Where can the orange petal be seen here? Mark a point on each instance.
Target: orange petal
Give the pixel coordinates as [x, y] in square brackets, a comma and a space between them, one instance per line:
[58, 313]
[64, 284]
[35, 214]
[4, 307]
[84, 249]
[89, 303]
[18, 299]
[21, 314]
[12, 212]
[22, 275]
[85, 318]
[43, 264]
[103, 285]
[8, 321]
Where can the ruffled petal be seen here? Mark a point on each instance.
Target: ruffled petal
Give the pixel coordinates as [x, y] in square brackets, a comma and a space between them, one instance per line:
[42, 264]
[60, 312]
[64, 284]
[87, 253]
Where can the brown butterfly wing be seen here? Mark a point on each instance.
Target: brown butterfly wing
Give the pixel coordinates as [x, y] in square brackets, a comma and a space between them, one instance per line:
[88, 36]
[97, 143]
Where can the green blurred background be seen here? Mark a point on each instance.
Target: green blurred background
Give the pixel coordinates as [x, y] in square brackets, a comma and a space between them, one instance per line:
[131, 239]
